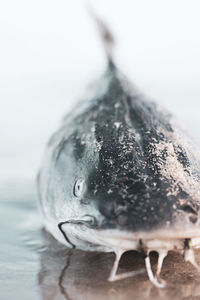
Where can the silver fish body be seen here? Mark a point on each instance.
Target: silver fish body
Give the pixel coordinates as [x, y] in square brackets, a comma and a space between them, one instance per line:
[121, 173]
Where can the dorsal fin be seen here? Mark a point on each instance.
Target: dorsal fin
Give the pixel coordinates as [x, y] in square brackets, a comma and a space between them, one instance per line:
[106, 36]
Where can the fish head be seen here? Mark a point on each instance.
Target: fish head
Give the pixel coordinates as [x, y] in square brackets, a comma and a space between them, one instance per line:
[107, 176]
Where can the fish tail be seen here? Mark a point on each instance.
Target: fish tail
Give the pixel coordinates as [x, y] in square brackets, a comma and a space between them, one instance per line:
[106, 36]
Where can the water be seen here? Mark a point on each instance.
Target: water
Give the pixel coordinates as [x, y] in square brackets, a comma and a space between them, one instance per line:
[19, 259]
[33, 265]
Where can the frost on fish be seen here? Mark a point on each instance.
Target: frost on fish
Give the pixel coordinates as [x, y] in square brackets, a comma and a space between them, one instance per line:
[141, 170]
[139, 173]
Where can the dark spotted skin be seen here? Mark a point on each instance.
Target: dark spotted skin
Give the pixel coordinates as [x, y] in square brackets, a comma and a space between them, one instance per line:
[111, 142]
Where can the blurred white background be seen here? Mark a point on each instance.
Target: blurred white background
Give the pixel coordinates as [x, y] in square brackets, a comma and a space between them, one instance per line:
[50, 52]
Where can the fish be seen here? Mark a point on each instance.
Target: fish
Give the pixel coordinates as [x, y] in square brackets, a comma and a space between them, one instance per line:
[122, 173]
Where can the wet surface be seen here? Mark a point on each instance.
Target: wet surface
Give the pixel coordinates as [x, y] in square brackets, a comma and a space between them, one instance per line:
[33, 265]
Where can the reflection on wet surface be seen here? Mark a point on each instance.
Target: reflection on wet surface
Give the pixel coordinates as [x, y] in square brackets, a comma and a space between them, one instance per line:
[35, 265]
[74, 274]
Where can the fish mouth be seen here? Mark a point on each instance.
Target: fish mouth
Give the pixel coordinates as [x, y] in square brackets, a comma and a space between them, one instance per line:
[169, 239]
[117, 241]
[113, 239]
[162, 242]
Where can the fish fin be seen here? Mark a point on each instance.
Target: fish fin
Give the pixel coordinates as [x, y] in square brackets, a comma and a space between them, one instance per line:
[106, 36]
[113, 274]
[154, 279]
[161, 256]
[189, 254]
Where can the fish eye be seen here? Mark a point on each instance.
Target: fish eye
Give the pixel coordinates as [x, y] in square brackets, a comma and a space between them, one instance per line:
[79, 187]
